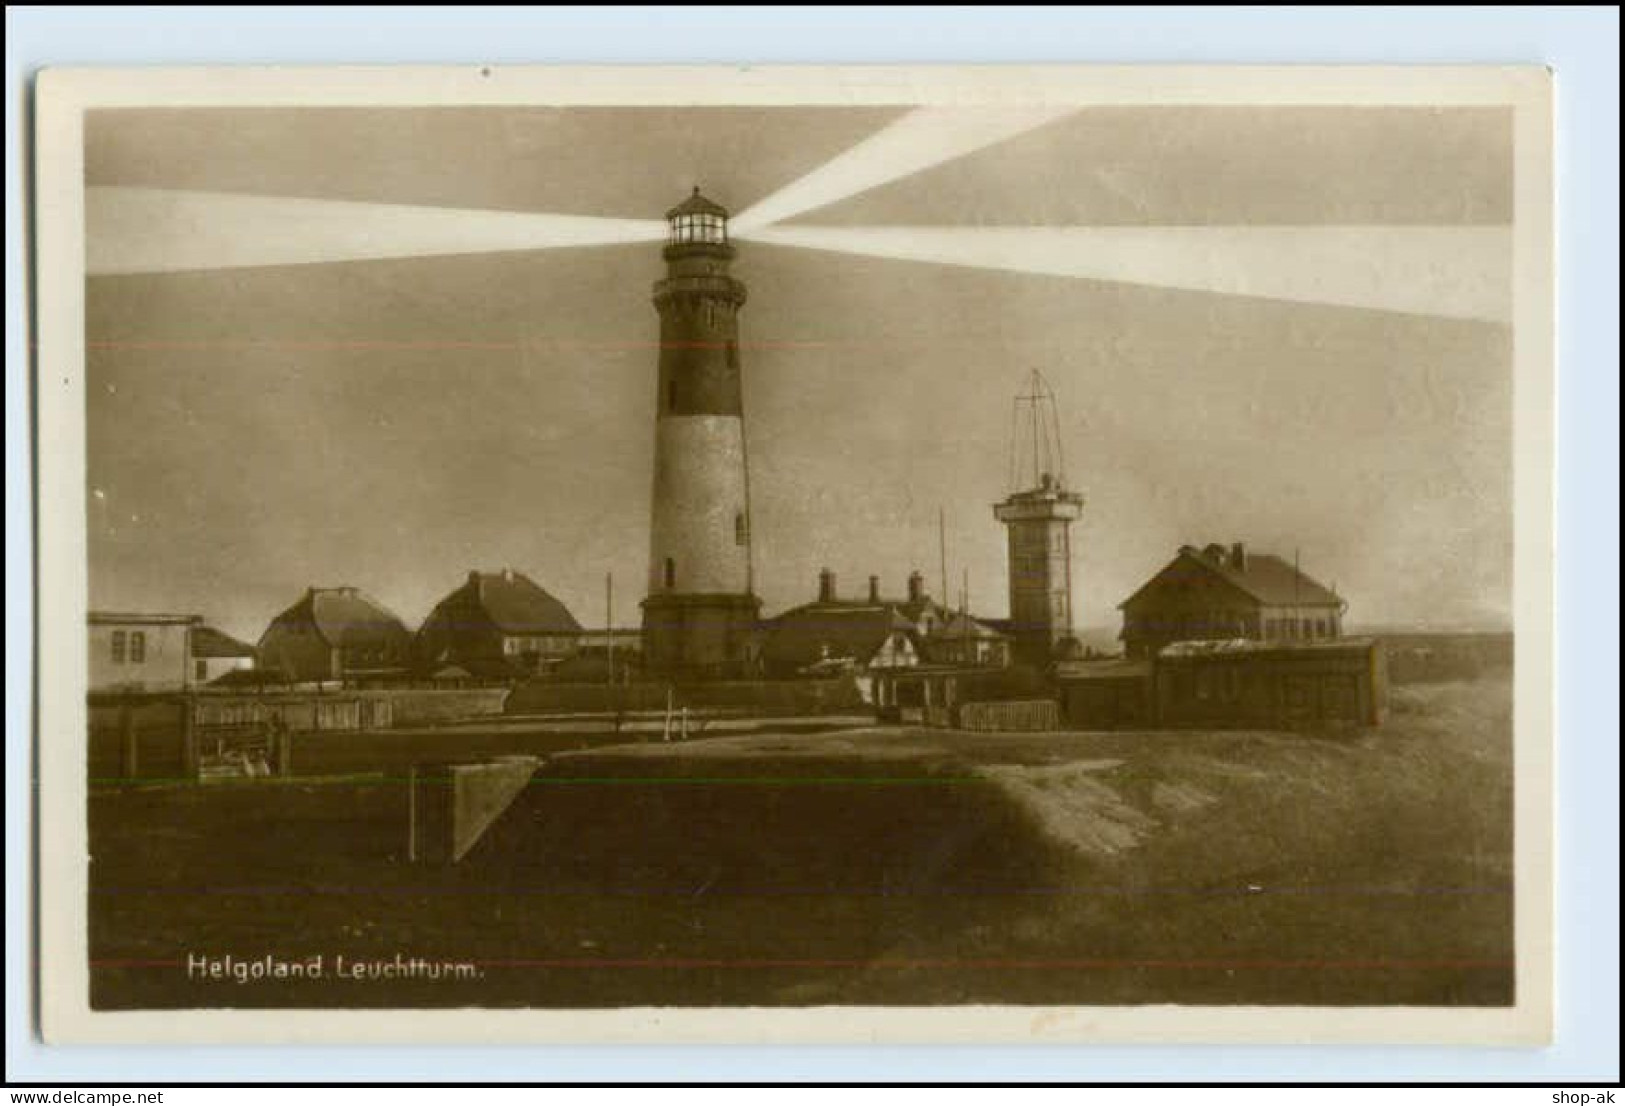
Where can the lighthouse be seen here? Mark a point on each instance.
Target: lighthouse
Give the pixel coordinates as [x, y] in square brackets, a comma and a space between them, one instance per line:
[700, 616]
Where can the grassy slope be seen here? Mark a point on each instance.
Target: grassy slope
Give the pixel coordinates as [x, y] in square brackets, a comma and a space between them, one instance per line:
[884, 867]
[1264, 868]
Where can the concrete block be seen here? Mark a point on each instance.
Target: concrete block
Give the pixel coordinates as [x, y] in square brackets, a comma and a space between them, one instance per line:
[450, 806]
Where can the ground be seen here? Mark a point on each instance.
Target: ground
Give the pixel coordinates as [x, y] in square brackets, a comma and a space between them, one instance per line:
[870, 865]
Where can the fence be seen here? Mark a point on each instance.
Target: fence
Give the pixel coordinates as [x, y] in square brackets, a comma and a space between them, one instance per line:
[760, 697]
[311, 714]
[172, 736]
[1011, 716]
[1272, 686]
[430, 706]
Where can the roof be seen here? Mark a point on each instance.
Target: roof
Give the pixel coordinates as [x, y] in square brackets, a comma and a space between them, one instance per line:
[915, 609]
[801, 635]
[345, 617]
[1268, 579]
[516, 604]
[697, 204]
[623, 638]
[129, 618]
[958, 626]
[209, 642]
[1249, 647]
[248, 677]
[489, 668]
[1114, 668]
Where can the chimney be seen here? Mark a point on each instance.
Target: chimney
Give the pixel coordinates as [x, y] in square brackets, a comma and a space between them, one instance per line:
[874, 589]
[916, 586]
[1238, 556]
[473, 576]
[1214, 553]
[507, 575]
[826, 586]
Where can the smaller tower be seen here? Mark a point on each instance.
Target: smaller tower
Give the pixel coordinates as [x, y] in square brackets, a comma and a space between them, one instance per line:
[1038, 516]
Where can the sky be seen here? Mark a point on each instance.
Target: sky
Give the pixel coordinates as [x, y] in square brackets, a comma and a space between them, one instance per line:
[382, 347]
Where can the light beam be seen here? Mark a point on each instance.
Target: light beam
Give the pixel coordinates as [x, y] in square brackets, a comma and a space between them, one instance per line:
[158, 230]
[919, 140]
[1450, 271]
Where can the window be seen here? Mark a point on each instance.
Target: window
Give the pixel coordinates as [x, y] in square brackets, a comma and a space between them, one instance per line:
[741, 529]
[202, 671]
[699, 228]
[138, 647]
[118, 646]
[671, 573]
[671, 395]
[733, 355]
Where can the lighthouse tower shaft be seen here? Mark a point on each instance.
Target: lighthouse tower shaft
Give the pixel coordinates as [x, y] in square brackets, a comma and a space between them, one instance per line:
[699, 619]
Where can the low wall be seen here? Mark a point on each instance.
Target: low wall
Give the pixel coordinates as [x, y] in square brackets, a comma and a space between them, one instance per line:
[761, 697]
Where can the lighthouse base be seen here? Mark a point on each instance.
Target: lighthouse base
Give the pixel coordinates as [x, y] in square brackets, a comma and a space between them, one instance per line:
[701, 637]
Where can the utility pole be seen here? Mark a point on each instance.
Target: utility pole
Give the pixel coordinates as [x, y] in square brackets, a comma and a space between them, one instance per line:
[1297, 598]
[942, 551]
[609, 647]
[609, 622]
[964, 618]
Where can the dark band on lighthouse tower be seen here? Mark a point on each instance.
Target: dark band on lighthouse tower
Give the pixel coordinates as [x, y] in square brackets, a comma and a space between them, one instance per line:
[700, 616]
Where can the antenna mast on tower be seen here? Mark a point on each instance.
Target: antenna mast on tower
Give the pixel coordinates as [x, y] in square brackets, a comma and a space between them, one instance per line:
[1035, 433]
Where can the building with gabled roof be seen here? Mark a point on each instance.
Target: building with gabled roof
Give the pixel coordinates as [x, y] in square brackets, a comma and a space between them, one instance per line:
[971, 642]
[817, 637]
[498, 622]
[1228, 593]
[833, 635]
[336, 634]
[215, 653]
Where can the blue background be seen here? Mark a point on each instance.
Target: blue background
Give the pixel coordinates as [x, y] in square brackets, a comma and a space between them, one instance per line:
[1582, 45]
